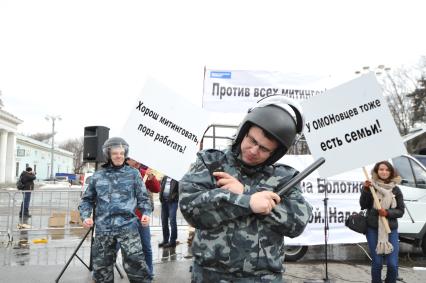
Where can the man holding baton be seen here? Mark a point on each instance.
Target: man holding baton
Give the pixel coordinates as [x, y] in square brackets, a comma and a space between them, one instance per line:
[231, 198]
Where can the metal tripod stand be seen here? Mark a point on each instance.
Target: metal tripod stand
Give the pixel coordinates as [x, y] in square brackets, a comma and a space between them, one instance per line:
[74, 254]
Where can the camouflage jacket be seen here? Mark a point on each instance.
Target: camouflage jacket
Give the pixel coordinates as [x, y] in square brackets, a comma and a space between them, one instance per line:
[230, 238]
[116, 193]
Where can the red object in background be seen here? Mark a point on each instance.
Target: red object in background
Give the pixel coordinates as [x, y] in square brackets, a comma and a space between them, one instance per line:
[138, 213]
[152, 185]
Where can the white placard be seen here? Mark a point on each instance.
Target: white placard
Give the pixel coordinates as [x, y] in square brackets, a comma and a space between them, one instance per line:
[343, 194]
[351, 126]
[163, 130]
[238, 90]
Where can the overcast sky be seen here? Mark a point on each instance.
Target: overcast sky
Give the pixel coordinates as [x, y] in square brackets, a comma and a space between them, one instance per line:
[87, 60]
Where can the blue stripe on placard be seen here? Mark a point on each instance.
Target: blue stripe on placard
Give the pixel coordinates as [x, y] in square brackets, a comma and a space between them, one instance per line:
[220, 75]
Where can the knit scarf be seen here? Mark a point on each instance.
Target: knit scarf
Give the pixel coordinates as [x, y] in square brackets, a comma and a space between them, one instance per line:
[387, 200]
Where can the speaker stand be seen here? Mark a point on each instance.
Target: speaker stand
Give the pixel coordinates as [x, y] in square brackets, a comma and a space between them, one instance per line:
[326, 228]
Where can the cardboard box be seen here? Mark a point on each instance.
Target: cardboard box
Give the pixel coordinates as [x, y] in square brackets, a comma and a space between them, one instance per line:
[58, 214]
[57, 221]
[75, 217]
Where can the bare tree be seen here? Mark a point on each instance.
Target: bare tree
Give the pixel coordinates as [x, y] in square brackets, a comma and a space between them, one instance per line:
[75, 146]
[43, 137]
[397, 85]
[418, 99]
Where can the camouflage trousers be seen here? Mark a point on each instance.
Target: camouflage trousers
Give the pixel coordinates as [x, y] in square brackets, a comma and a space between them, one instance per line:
[202, 275]
[104, 255]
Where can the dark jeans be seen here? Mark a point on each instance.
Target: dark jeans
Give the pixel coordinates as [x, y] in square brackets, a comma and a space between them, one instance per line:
[26, 197]
[168, 212]
[377, 260]
[145, 234]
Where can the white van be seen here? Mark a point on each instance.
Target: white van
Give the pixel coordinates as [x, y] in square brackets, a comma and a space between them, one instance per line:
[412, 228]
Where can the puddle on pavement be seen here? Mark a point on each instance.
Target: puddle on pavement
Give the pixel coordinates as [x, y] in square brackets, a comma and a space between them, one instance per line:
[57, 234]
[78, 232]
[168, 254]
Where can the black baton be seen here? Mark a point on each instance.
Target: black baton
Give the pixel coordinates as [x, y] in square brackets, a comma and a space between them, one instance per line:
[299, 177]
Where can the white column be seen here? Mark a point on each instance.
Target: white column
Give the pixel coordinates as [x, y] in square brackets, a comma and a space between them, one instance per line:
[10, 157]
[3, 143]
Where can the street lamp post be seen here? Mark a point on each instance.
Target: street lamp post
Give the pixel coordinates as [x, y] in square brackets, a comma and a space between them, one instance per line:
[53, 118]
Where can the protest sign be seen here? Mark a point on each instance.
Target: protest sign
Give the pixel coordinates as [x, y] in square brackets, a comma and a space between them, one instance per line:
[351, 126]
[164, 130]
[342, 200]
[238, 90]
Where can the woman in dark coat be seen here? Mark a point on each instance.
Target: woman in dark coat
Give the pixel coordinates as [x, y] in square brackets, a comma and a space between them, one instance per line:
[381, 244]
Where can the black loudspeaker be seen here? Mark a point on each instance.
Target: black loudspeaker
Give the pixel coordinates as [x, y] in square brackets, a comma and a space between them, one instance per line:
[94, 138]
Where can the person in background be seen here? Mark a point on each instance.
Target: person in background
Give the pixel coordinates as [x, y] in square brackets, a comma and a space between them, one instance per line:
[27, 178]
[169, 198]
[153, 186]
[384, 180]
[116, 190]
[231, 198]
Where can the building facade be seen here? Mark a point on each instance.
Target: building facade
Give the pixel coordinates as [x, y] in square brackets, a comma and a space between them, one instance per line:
[18, 152]
[37, 155]
[8, 128]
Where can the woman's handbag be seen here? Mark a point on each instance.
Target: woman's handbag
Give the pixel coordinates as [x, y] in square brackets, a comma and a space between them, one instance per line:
[357, 222]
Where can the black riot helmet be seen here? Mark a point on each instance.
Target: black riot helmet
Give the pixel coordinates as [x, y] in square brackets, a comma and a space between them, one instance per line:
[279, 116]
[115, 142]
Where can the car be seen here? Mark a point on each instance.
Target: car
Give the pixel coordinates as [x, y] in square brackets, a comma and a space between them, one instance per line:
[412, 226]
[421, 158]
[61, 178]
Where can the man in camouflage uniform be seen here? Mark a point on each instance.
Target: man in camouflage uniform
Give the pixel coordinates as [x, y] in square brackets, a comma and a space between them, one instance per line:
[229, 197]
[115, 191]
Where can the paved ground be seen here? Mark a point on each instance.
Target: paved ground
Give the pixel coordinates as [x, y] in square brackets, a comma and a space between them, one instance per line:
[176, 271]
[44, 262]
[29, 262]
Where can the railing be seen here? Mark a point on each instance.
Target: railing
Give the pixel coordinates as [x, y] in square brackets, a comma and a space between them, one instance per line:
[5, 212]
[51, 210]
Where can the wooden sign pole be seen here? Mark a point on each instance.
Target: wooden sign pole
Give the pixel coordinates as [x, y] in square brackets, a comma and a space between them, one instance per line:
[376, 201]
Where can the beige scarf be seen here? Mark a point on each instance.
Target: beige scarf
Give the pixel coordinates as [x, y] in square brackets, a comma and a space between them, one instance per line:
[387, 200]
